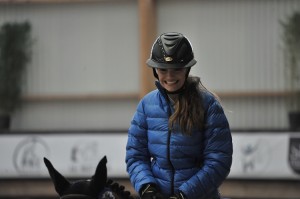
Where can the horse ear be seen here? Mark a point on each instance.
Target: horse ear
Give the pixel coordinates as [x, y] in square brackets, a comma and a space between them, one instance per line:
[59, 181]
[100, 177]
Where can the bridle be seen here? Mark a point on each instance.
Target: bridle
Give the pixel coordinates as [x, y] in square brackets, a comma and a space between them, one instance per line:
[77, 196]
[105, 194]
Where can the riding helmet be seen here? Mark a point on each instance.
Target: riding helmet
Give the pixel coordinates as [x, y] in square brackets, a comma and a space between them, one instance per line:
[171, 50]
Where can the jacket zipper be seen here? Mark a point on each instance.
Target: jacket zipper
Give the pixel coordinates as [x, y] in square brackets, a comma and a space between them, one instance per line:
[168, 149]
[169, 159]
[169, 135]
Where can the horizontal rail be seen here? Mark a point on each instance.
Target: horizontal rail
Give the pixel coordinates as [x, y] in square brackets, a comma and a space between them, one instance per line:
[135, 96]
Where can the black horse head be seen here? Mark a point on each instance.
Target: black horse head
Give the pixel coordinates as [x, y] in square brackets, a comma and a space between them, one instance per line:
[98, 187]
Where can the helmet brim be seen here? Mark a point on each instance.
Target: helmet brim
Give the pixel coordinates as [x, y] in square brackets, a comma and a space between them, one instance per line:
[154, 64]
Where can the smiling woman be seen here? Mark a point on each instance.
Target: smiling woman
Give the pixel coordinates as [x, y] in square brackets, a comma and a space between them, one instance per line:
[179, 142]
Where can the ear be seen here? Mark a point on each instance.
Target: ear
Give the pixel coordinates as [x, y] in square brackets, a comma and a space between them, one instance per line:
[59, 181]
[99, 179]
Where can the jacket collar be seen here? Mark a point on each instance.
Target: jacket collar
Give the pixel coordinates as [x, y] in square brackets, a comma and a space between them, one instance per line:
[162, 90]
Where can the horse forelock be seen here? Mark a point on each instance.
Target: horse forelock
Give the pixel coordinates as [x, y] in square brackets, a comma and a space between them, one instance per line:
[107, 193]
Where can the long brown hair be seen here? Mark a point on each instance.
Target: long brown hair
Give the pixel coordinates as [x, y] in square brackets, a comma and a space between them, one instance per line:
[189, 110]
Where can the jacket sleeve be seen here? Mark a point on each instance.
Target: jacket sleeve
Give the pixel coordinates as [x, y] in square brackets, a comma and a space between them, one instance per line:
[217, 154]
[137, 154]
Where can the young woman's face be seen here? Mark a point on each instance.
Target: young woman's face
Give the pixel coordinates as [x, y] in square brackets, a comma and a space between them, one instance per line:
[171, 79]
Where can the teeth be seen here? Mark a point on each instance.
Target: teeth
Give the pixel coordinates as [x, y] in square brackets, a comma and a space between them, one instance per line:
[171, 82]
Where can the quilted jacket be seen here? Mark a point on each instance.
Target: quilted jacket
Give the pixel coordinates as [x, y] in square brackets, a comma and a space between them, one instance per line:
[196, 165]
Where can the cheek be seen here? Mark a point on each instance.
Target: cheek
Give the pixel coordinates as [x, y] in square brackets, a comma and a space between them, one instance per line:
[181, 82]
[161, 81]
[182, 78]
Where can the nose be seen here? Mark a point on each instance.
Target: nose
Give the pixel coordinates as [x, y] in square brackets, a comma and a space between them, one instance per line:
[170, 72]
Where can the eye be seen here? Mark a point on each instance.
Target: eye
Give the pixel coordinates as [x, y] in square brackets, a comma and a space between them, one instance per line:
[161, 70]
[179, 70]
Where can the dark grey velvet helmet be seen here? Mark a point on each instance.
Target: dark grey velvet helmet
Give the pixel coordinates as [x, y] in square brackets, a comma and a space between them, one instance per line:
[171, 50]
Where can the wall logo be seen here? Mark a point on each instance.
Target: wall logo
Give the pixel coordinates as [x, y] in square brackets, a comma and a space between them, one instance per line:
[28, 155]
[255, 156]
[84, 156]
[294, 154]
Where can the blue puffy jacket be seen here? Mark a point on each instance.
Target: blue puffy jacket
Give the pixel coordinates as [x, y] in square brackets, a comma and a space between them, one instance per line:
[196, 165]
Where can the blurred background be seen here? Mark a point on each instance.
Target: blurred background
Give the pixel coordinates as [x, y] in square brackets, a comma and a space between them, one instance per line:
[86, 73]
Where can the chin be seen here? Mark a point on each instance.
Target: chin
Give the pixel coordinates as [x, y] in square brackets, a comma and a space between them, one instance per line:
[172, 90]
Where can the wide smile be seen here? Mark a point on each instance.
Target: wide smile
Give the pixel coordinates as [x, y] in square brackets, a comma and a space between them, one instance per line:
[171, 82]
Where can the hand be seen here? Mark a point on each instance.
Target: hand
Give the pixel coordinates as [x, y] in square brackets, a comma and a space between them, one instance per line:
[150, 192]
[156, 195]
[119, 189]
[178, 196]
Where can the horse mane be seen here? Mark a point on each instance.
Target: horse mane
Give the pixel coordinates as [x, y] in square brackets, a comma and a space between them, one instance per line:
[97, 187]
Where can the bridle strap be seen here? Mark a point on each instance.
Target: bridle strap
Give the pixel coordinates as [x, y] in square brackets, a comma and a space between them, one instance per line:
[76, 196]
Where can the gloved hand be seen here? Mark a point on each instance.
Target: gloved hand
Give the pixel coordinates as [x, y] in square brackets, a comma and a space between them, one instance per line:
[178, 196]
[149, 191]
[119, 189]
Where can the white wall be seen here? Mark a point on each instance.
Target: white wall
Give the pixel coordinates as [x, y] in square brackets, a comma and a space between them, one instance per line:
[79, 49]
[238, 47]
[92, 48]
